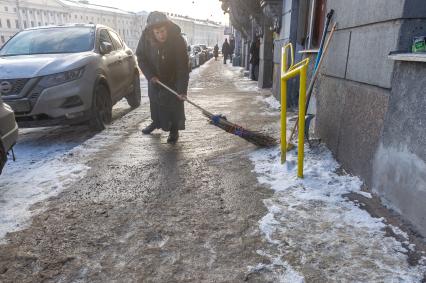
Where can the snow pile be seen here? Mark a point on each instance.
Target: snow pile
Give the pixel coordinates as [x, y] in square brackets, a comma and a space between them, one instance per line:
[271, 101]
[318, 231]
[245, 84]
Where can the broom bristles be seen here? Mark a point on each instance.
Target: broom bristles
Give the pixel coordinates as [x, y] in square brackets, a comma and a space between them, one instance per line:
[257, 138]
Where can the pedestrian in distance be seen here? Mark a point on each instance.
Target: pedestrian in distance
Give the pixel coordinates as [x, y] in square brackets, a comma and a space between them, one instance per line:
[231, 48]
[255, 58]
[216, 52]
[226, 48]
[162, 56]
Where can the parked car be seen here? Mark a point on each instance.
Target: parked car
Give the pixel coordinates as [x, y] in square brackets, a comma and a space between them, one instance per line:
[193, 59]
[201, 54]
[67, 75]
[207, 54]
[196, 52]
[190, 55]
[210, 52]
[8, 127]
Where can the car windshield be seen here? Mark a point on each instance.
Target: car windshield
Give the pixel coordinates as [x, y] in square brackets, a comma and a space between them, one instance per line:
[50, 41]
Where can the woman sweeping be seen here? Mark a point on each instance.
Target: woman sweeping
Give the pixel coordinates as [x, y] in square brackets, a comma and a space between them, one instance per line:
[162, 56]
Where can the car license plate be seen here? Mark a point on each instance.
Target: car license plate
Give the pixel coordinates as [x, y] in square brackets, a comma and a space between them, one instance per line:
[19, 106]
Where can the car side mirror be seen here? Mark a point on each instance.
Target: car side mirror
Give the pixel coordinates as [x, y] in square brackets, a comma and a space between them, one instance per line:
[105, 48]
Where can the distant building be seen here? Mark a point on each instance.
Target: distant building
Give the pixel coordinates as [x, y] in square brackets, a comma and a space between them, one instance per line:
[16, 15]
[199, 31]
[21, 14]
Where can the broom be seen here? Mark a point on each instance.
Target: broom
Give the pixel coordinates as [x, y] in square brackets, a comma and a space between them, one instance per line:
[257, 138]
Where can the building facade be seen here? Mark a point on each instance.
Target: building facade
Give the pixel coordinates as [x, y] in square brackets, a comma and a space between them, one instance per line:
[370, 105]
[199, 31]
[21, 14]
[16, 15]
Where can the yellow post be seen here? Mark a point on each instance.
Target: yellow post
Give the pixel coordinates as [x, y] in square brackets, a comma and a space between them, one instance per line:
[284, 69]
[302, 103]
[283, 121]
[288, 72]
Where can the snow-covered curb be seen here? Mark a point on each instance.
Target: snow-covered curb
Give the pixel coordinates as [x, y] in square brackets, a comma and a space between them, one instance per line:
[314, 231]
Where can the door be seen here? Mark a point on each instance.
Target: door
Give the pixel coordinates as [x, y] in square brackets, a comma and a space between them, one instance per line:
[126, 75]
[112, 65]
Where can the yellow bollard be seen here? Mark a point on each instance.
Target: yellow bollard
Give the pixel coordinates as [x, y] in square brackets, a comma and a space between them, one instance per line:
[286, 74]
[284, 69]
[302, 114]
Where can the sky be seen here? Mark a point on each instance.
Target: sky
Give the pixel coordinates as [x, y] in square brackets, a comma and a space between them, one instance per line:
[200, 9]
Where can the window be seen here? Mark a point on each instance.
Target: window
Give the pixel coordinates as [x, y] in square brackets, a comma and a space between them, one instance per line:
[2, 39]
[75, 16]
[8, 24]
[116, 40]
[39, 24]
[25, 24]
[104, 37]
[50, 41]
[17, 24]
[32, 24]
[6, 9]
[0, 23]
[316, 21]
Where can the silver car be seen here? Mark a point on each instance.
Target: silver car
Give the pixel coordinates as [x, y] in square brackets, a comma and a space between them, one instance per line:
[8, 131]
[68, 74]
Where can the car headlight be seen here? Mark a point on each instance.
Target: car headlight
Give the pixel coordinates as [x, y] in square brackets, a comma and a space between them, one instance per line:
[61, 78]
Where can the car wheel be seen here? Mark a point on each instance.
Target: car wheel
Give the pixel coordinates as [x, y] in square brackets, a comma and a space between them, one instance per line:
[134, 98]
[101, 108]
[3, 157]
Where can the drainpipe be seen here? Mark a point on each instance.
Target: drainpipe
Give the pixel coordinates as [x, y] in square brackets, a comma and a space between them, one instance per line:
[311, 25]
[18, 10]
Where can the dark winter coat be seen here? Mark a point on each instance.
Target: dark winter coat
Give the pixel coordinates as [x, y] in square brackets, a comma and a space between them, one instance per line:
[254, 51]
[168, 62]
[226, 48]
[216, 51]
[231, 46]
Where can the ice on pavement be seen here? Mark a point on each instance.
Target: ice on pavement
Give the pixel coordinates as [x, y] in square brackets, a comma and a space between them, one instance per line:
[48, 161]
[319, 234]
[42, 170]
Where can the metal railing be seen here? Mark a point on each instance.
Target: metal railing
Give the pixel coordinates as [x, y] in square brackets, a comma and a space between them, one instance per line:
[288, 72]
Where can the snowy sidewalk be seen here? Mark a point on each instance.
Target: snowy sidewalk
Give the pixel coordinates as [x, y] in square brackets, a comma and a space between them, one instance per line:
[317, 234]
[120, 206]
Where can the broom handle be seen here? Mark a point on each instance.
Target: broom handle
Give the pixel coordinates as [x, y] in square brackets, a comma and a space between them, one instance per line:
[316, 73]
[187, 100]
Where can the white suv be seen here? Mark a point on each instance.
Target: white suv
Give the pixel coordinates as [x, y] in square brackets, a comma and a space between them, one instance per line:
[67, 74]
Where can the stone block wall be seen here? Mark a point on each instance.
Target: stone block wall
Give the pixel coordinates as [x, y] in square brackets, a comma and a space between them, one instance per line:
[371, 109]
[399, 172]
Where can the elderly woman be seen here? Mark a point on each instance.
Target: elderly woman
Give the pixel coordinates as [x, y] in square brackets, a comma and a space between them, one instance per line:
[162, 56]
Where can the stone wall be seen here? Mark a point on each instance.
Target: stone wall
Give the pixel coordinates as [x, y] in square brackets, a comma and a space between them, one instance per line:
[399, 172]
[365, 101]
